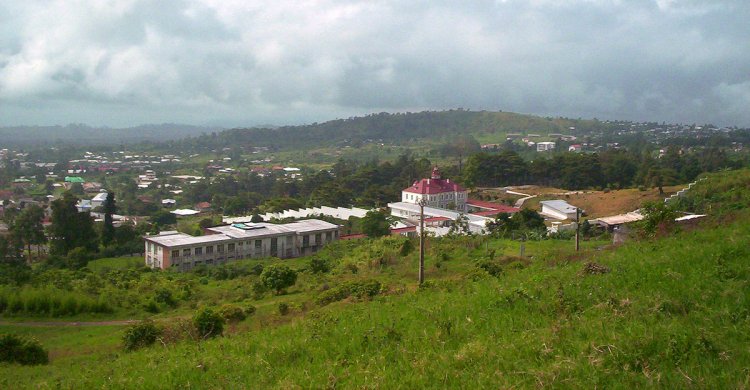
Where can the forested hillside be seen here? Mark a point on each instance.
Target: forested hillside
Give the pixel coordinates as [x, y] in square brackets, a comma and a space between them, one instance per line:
[397, 127]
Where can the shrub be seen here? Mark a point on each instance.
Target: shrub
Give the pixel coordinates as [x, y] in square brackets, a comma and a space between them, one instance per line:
[359, 290]
[208, 323]
[257, 269]
[232, 313]
[164, 296]
[259, 290]
[21, 350]
[250, 310]
[491, 267]
[151, 306]
[406, 248]
[141, 334]
[283, 308]
[278, 277]
[319, 265]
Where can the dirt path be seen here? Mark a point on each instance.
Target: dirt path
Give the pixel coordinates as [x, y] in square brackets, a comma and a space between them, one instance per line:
[65, 323]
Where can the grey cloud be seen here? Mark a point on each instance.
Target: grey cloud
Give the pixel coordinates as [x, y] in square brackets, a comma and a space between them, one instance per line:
[242, 62]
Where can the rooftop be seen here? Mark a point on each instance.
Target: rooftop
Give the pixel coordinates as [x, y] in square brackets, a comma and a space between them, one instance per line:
[434, 185]
[241, 230]
[559, 205]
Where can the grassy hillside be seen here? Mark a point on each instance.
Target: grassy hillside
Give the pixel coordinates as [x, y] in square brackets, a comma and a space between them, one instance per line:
[670, 312]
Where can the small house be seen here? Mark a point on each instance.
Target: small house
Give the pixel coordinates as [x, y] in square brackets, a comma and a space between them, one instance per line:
[558, 209]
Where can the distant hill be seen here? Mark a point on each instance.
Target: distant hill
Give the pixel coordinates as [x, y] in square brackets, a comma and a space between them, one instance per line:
[398, 128]
[80, 134]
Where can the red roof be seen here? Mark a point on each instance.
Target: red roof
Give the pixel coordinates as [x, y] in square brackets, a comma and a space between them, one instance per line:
[203, 205]
[436, 219]
[434, 185]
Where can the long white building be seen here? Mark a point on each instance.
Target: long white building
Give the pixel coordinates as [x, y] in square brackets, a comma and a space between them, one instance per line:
[238, 241]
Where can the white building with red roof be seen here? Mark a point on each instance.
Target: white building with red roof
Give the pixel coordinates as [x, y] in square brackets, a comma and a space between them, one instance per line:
[437, 192]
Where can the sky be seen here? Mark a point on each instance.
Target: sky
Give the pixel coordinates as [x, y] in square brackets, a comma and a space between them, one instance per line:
[245, 63]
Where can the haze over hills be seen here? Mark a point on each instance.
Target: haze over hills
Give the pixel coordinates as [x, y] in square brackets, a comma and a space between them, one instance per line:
[81, 134]
[425, 128]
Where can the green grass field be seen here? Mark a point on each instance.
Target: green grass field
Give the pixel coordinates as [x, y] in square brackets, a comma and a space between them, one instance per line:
[667, 312]
[671, 313]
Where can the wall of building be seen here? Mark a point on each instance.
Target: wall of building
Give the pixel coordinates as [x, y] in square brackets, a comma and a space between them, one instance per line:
[187, 257]
[446, 200]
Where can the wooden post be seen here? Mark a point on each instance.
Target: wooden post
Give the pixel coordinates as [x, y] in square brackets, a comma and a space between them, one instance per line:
[421, 242]
[578, 228]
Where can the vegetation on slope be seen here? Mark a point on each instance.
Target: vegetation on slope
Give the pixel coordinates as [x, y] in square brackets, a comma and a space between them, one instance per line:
[671, 312]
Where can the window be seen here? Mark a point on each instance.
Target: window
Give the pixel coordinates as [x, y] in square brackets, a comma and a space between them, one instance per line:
[230, 247]
[186, 252]
[305, 241]
[274, 246]
[318, 239]
[336, 233]
[209, 250]
[258, 244]
[198, 251]
[241, 243]
[175, 253]
[220, 248]
[329, 236]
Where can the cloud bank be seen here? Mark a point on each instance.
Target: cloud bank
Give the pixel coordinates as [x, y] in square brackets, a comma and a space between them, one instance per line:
[239, 62]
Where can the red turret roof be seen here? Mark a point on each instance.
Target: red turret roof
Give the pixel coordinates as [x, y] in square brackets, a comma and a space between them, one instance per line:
[434, 185]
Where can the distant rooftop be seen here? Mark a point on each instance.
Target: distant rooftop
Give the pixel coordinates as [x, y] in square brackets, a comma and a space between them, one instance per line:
[241, 230]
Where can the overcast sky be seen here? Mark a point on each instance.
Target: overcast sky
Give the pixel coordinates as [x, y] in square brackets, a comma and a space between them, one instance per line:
[242, 63]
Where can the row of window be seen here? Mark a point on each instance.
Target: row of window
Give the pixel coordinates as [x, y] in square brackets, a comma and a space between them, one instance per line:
[443, 196]
[257, 244]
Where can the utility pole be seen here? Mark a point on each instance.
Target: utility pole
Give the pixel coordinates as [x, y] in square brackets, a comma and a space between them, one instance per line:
[421, 241]
[578, 228]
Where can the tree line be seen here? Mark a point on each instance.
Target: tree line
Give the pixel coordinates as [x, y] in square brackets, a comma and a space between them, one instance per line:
[608, 169]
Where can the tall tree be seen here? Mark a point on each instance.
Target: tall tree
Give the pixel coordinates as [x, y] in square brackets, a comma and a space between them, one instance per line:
[108, 230]
[376, 223]
[28, 228]
[70, 229]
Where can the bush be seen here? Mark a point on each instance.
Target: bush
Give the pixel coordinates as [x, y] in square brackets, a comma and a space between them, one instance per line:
[232, 313]
[21, 350]
[278, 277]
[319, 265]
[359, 290]
[491, 267]
[257, 269]
[406, 248]
[151, 306]
[283, 308]
[164, 296]
[259, 290]
[141, 334]
[208, 323]
[250, 310]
